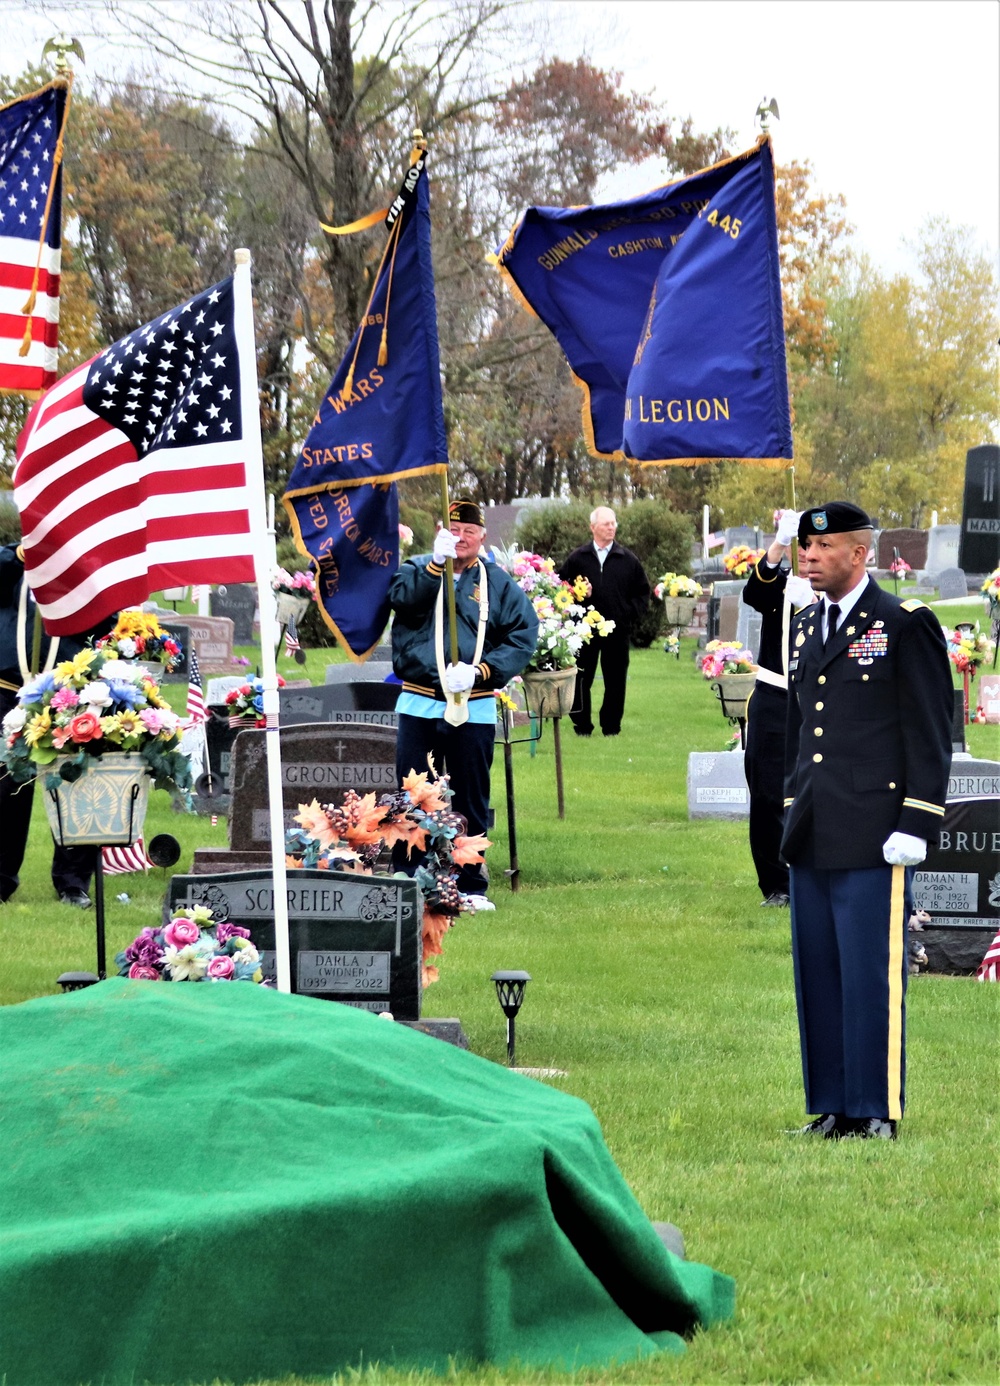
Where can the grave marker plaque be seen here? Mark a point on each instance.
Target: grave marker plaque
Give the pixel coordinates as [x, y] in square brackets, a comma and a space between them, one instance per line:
[952, 583]
[717, 785]
[353, 938]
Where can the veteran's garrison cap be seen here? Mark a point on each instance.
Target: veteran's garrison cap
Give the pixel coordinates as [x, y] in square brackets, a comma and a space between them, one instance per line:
[838, 517]
[465, 511]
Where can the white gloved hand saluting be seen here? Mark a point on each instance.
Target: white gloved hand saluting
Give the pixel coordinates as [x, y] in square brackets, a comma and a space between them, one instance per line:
[788, 526]
[799, 591]
[459, 678]
[902, 849]
[445, 546]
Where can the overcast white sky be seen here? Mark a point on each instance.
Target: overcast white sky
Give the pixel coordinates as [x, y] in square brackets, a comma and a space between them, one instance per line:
[896, 103]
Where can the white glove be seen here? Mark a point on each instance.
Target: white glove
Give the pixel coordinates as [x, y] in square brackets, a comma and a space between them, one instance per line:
[459, 678]
[902, 849]
[799, 591]
[445, 546]
[788, 526]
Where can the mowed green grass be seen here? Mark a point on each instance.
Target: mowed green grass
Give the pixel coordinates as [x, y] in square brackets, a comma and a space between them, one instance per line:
[665, 993]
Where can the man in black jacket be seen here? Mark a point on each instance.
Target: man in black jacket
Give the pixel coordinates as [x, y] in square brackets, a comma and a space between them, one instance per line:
[620, 592]
[868, 755]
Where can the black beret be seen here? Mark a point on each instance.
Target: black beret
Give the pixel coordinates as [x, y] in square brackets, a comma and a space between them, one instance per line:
[464, 511]
[837, 517]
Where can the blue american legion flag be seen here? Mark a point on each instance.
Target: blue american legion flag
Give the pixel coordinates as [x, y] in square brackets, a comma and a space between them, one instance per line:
[381, 418]
[668, 308]
[131, 471]
[30, 204]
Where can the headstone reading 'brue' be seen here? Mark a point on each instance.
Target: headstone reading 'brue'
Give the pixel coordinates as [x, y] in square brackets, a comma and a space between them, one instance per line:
[367, 704]
[958, 883]
[717, 785]
[212, 639]
[321, 761]
[352, 938]
[238, 601]
[979, 546]
[952, 583]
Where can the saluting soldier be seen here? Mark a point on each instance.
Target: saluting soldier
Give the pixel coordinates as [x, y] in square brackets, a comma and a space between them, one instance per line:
[868, 754]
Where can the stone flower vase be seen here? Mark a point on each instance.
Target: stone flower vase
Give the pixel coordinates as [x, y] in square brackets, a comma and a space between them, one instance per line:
[733, 691]
[289, 606]
[105, 807]
[549, 692]
[679, 611]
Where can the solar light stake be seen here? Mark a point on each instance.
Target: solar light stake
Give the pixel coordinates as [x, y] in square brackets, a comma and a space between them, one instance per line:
[510, 993]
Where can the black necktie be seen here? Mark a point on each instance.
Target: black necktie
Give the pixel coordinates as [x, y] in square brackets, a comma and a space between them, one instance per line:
[832, 617]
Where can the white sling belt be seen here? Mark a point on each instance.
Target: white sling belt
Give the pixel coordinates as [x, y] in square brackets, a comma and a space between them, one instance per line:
[767, 675]
[456, 706]
[22, 649]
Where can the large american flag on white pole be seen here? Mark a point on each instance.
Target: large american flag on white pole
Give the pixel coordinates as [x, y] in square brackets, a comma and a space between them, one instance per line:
[29, 134]
[131, 471]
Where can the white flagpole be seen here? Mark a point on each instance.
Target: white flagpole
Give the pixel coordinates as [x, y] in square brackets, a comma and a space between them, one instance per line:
[263, 549]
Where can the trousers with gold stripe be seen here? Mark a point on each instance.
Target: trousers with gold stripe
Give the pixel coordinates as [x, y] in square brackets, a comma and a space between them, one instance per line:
[849, 955]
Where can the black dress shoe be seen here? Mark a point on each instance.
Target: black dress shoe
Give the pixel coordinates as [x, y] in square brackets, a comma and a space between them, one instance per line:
[77, 897]
[830, 1126]
[870, 1129]
[777, 898]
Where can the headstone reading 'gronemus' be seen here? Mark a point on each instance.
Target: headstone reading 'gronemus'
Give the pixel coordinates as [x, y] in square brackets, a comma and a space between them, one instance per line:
[353, 938]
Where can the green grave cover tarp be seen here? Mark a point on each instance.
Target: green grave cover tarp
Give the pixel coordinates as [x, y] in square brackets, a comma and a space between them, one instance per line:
[218, 1180]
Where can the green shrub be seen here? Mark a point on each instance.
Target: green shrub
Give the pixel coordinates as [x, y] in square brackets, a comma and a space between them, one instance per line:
[554, 530]
[10, 520]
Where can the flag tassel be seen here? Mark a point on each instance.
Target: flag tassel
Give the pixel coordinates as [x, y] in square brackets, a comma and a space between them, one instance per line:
[383, 348]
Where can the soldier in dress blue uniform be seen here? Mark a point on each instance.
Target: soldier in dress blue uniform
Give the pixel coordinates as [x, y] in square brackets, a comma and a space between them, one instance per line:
[868, 753]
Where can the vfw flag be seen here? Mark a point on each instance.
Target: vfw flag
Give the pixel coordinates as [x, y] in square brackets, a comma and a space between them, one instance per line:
[668, 308]
[381, 418]
[131, 471]
[30, 238]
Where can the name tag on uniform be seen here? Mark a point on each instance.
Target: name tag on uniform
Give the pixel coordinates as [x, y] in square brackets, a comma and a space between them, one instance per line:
[872, 645]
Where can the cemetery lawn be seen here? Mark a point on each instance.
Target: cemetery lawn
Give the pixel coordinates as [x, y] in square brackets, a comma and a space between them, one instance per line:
[664, 992]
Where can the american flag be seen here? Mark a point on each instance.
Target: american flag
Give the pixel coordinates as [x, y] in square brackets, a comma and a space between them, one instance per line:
[131, 473]
[291, 638]
[196, 710]
[118, 861]
[990, 965]
[29, 129]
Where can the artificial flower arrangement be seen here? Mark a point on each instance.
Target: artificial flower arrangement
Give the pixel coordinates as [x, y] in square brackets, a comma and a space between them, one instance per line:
[968, 649]
[898, 567]
[741, 560]
[565, 625]
[351, 836]
[296, 584]
[193, 947]
[726, 657]
[246, 703]
[90, 706]
[139, 635]
[676, 585]
[672, 644]
[405, 537]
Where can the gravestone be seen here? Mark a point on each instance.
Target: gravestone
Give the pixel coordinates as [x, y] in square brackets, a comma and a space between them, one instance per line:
[911, 543]
[371, 671]
[748, 626]
[352, 938]
[238, 601]
[958, 723]
[989, 696]
[942, 548]
[979, 545]
[370, 704]
[216, 689]
[212, 639]
[742, 534]
[729, 616]
[959, 882]
[725, 587]
[952, 583]
[318, 761]
[717, 785]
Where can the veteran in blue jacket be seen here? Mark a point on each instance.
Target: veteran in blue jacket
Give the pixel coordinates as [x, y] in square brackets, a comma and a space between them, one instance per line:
[868, 753]
[497, 634]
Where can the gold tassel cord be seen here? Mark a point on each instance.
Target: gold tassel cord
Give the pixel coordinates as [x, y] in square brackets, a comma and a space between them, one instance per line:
[29, 306]
[348, 386]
